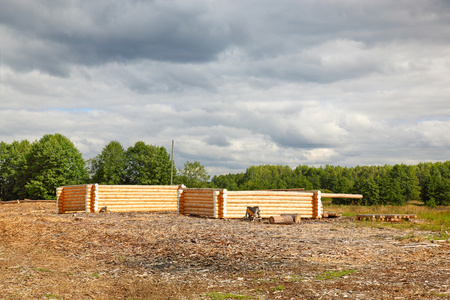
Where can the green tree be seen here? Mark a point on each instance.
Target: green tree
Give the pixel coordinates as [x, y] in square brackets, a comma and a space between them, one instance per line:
[109, 166]
[193, 175]
[52, 161]
[12, 156]
[147, 165]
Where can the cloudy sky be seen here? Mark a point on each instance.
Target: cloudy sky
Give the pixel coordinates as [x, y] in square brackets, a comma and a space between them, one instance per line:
[234, 83]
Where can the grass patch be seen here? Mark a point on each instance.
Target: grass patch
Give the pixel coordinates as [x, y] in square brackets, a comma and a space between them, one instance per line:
[278, 288]
[53, 296]
[43, 270]
[334, 274]
[220, 296]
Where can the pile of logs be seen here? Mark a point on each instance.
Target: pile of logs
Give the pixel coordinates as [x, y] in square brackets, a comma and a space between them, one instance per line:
[386, 217]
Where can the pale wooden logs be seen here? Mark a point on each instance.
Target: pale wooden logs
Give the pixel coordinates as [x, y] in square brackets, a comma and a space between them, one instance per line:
[270, 203]
[71, 198]
[295, 217]
[121, 198]
[198, 202]
[283, 219]
[350, 196]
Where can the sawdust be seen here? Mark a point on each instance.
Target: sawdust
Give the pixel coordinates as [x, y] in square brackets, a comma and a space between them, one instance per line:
[167, 256]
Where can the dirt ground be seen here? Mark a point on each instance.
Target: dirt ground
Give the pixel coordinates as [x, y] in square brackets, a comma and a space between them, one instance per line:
[44, 255]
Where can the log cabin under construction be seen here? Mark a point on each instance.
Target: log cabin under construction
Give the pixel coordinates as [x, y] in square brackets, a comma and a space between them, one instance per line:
[207, 202]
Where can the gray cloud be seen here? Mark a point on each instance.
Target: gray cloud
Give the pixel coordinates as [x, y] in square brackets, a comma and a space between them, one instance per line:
[233, 83]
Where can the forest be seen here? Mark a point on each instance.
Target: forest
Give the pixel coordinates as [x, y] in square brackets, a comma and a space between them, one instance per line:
[35, 169]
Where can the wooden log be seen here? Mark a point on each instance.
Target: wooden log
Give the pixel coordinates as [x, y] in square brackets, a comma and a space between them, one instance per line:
[333, 214]
[296, 217]
[281, 220]
[332, 195]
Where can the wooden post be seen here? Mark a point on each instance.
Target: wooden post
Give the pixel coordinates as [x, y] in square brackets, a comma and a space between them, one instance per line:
[317, 205]
[215, 198]
[59, 200]
[96, 197]
[224, 195]
[180, 202]
[86, 209]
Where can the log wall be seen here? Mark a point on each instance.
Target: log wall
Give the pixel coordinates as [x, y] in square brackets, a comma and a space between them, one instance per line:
[202, 202]
[74, 198]
[220, 203]
[123, 198]
[117, 198]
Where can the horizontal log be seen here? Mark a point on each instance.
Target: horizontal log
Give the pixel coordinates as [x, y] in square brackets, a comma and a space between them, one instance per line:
[144, 200]
[138, 205]
[73, 203]
[281, 220]
[268, 201]
[74, 187]
[271, 195]
[136, 186]
[134, 193]
[268, 205]
[200, 201]
[201, 189]
[350, 196]
[193, 206]
[295, 217]
[70, 208]
[194, 199]
[134, 209]
[197, 212]
[72, 198]
[259, 193]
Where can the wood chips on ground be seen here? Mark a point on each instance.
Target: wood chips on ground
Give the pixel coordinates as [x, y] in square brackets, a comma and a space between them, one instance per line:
[168, 256]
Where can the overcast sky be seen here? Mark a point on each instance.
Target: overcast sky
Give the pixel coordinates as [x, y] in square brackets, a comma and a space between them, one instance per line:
[234, 83]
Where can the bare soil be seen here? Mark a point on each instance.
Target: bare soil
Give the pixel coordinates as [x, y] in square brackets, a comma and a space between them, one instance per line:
[44, 255]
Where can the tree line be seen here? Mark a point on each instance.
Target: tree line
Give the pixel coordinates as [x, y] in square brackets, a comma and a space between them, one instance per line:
[34, 170]
[379, 185]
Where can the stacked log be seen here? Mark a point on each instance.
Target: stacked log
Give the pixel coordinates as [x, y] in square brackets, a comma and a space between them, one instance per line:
[118, 198]
[271, 203]
[73, 198]
[125, 198]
